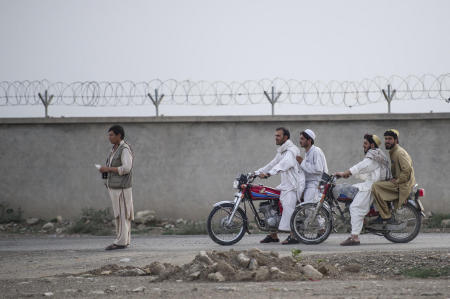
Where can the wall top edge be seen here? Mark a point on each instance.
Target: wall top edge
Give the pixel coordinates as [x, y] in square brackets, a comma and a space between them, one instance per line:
[219, 119]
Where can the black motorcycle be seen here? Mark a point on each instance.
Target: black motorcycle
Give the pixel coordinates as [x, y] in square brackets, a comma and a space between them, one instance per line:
[312, 223]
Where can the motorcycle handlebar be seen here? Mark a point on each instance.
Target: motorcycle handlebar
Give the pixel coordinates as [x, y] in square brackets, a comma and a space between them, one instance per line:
[257, 176]
[252, 176]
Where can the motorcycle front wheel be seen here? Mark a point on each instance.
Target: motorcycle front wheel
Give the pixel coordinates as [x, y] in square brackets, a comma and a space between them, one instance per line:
[307, 230]
[218, 228]
[406, 214]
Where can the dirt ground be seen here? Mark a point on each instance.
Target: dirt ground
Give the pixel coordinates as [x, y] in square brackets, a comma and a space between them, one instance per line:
[355, 275]
[140, 287]
[176, 267]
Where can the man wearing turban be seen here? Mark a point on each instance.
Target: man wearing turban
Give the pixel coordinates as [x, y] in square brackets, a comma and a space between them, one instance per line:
[399, 187]
[374, 167]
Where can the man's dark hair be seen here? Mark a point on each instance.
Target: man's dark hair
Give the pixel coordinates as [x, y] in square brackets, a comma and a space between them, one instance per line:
[391, 133]
[285, 131]
[369, 138]
[307, 136]
[118, 130]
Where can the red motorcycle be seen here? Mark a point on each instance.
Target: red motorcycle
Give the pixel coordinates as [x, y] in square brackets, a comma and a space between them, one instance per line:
[227, 223]
[312, 223]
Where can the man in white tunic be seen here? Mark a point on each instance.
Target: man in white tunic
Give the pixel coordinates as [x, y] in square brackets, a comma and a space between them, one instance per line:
[118, 173]
[292, 181]
[313, 165]
[374, 167]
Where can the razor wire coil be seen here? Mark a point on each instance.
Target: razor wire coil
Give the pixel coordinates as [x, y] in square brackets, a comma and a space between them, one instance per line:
[317, 93]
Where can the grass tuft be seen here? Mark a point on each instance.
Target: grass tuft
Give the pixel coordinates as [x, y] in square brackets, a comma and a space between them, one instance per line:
[436, 219]
[296, 254]
[188, 229]
[420, 272]
[94, 222]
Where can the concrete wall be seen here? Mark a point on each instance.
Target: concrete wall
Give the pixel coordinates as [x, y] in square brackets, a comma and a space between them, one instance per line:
[184, 165]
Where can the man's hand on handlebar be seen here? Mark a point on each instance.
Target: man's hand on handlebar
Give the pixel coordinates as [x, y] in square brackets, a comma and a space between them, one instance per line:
[343, 174]
[263, 175]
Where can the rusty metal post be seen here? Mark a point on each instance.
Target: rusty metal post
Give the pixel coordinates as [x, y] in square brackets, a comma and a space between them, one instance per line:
[156, 100]
[389, 96]
[272, 98]
[46, 100]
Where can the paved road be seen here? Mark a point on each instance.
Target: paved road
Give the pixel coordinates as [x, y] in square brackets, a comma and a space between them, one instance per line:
[33, 257]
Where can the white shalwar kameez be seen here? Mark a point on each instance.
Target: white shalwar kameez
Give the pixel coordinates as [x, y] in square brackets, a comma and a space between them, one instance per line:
[313, 166]
[122, 200]
[368, 170]
[292, 180]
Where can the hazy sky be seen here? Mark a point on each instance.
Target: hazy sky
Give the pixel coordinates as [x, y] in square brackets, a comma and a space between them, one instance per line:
[229, 40]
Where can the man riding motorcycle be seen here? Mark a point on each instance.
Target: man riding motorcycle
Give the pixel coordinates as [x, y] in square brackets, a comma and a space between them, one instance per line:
[374, 167]
[313, 165]
[292, 181]
[398, 188]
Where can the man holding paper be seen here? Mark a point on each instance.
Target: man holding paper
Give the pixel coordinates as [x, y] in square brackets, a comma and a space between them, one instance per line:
[118, 175]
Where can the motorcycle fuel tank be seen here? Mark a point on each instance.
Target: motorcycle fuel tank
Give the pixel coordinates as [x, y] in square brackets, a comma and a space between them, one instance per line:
[264, 193]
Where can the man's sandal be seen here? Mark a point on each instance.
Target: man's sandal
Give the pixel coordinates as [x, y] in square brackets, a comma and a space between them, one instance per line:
[269, 239]
[114, 247]
[289, 240]
[350, 242]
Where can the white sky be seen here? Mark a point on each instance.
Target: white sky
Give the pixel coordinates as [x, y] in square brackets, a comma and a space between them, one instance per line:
[233, 40]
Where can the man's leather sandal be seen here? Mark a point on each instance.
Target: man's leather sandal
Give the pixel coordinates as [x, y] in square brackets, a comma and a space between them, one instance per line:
[114, 247]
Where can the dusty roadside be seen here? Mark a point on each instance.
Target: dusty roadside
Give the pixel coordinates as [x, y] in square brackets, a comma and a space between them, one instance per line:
[140, 287]
[72, 268]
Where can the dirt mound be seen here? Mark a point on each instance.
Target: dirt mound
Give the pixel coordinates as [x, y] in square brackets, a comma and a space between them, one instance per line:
[248, 265]
[257, 265]
[369, 265]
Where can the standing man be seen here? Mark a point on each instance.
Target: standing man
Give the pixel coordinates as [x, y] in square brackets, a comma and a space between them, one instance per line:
[292, 182]
[313, 165]
[118, 174]
[374, 167]
[398, 188]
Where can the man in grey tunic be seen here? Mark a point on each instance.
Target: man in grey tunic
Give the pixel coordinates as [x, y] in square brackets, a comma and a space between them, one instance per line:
[118, 181]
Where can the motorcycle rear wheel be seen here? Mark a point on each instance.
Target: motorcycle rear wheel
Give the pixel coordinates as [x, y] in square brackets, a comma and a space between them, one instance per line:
[219, 231]
[315, 234]
[414, 220]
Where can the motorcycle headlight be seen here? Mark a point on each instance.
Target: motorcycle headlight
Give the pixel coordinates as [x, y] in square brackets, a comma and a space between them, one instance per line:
[236, 184]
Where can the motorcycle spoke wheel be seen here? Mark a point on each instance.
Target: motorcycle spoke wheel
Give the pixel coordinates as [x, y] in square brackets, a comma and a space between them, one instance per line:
[218, 228]
[409, 215]
[311, 231]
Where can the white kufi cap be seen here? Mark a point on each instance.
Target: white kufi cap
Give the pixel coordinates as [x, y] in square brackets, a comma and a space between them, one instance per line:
[310, 133]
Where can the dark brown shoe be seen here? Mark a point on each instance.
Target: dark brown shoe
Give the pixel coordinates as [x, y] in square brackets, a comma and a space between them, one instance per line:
[269, 239]
[350, 242]
[114, 247]
[289, 240]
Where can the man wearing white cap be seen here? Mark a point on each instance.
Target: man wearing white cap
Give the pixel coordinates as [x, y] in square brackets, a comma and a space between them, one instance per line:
[374, 167]
[313, 165]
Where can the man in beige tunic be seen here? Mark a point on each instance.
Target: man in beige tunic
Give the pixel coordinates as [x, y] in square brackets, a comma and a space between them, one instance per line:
[399, 187]
[118, 181]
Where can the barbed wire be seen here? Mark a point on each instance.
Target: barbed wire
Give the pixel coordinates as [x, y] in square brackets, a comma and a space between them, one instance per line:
[155, 92]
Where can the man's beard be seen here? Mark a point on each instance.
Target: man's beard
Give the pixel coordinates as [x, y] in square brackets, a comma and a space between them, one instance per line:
[389, 146]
